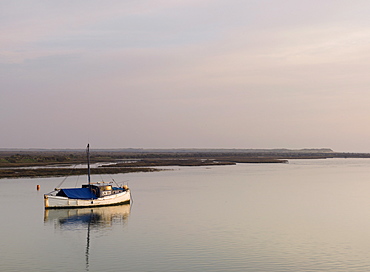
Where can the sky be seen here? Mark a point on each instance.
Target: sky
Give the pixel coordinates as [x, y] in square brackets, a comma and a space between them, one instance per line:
[185, 74]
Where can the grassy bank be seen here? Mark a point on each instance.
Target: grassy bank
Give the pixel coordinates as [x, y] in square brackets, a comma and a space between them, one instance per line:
[18, 164]
[56, 172]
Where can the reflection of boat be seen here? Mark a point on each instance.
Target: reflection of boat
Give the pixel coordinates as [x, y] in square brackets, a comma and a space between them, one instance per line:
[90, 195]
[87, 218]
[99, 217]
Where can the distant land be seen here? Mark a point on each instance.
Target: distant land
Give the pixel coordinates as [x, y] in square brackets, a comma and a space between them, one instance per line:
[174, 150]
[50, 162]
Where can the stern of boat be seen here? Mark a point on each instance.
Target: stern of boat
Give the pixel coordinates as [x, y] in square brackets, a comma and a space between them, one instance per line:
[46, 201]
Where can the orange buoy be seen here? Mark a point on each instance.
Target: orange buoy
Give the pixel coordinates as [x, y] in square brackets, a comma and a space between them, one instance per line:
[38, 187]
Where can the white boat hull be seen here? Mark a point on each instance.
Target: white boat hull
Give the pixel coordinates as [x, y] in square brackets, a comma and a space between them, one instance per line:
[54, 202]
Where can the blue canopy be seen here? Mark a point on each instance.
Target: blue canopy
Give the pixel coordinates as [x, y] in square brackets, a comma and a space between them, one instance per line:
[78, 193]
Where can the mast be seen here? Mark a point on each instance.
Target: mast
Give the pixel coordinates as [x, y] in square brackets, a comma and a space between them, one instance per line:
[88, 162]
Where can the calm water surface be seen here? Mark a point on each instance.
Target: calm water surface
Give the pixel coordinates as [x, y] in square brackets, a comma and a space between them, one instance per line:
[308, 215]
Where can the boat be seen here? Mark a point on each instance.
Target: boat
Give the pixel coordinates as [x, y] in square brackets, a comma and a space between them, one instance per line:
[89, 195]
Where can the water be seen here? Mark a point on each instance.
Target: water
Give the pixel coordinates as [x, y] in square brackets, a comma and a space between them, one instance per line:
[308, 215]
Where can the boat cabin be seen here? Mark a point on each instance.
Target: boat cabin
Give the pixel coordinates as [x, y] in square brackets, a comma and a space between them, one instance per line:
[92, 191]
[104, 189]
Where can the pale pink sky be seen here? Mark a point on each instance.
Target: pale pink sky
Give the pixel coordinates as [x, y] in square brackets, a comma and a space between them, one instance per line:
[173, 74]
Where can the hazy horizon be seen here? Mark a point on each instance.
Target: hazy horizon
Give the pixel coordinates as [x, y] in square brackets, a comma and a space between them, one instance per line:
[185, 74]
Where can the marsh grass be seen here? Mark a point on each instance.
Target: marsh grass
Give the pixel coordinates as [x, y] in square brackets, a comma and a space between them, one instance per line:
[17, 163]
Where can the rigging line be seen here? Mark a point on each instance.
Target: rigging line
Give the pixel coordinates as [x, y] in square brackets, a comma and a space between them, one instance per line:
[66, 176]
[78, 177]
[113, 180]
